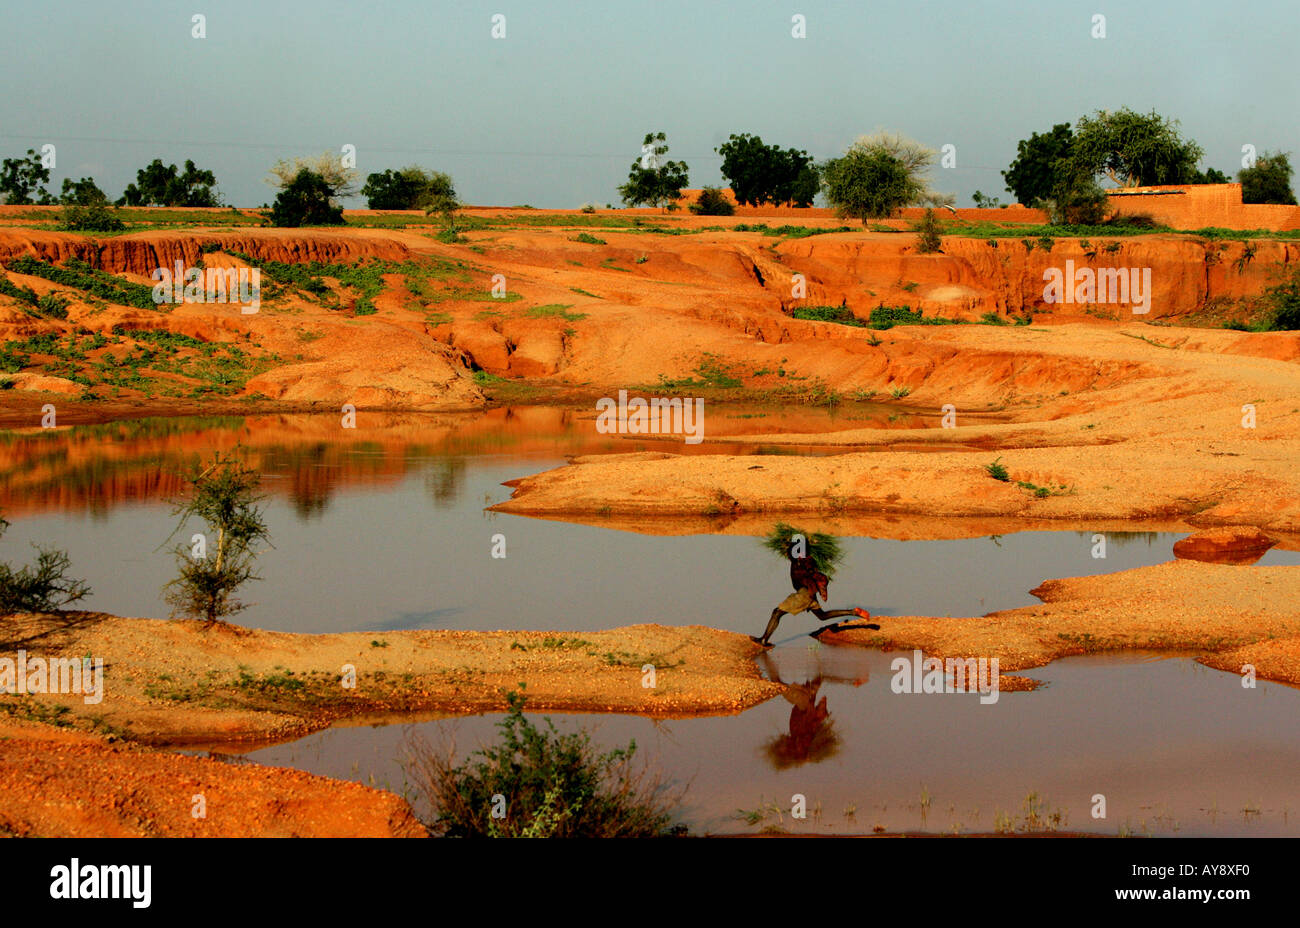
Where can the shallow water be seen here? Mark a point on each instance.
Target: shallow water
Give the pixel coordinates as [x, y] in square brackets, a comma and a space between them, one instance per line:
[390, 532]
[1176, 748]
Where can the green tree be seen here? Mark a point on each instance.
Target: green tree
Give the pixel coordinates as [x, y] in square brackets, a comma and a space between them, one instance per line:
[880, 174]
[1268, 180]
[306, 201]
[408, 188]
[1132, 149]
[1033, 176]
[22, 180]
[1210, 176]
[84, 192]
[760, 173]
[658, 183]
[44, 587]
[224, 495]
[986, 202]
[164, 185]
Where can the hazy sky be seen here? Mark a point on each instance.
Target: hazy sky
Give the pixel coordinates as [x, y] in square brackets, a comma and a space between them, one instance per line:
[553, 114]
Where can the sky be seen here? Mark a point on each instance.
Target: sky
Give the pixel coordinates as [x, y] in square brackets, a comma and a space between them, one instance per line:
[552, 114]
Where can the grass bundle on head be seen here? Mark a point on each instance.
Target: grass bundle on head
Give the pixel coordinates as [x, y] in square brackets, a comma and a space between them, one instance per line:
[823, 549]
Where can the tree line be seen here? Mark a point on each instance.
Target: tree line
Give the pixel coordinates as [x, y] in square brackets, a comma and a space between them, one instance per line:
[1059, 170]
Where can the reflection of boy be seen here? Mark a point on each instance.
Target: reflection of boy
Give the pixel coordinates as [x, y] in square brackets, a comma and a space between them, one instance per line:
[809, 584]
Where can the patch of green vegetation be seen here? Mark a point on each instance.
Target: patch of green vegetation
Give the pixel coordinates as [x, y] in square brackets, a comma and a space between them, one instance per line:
[997, 471]
[886, 317]
[78, 275]
[588, 239]
[710, 372]
[841, 315]
[786, 231]
[484, 378]
[581, 292]
[556, 309]
[539, 783]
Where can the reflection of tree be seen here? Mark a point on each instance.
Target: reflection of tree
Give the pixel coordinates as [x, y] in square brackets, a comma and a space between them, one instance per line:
[310, 482]
[445, 479]
[1121, 539]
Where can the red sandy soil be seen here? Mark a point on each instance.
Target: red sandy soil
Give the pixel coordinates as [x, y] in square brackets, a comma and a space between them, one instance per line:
[58, 784]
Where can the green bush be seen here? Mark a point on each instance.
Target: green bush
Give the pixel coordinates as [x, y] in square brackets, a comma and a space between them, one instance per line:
[1286, 305]
[553, 785]
[96, 217]
[838, 314]
[928, 240]
[712, 202]
[997, 471]
[886, 317]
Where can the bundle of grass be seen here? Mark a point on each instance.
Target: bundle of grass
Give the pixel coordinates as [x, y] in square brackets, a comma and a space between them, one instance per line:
[538, 783]
[824, 549]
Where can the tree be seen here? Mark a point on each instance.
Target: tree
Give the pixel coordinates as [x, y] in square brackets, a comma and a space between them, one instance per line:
[410, 188]
[84, 192]
[438, 196]
[224, 495]
[986, 202]
[760, 173]
[1032, 176]
[655, 183]
[928, 240]
[45, 587]
[341, 180]
[1210, 176]
[22, 180]
[306, 201]
[879, 174]
[163, 185]
[712, 202]
[1132, 149]
[1268, 180]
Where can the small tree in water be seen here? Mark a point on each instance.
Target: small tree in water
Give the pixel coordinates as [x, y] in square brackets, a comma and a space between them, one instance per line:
[213, 566]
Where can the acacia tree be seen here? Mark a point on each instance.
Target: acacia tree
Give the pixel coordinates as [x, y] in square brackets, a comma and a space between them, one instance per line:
[880, 174]
[655, 183]
[310, 190]
[224, 495]
[1133, 149]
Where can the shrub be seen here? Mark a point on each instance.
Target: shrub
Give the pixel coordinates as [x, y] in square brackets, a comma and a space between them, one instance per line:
[45, 587]
[1286, 305]
[95, 217]
[928, 240]
[838, 314]
[997, 471]
[553, 785]
[224, 496]
[712, 202]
